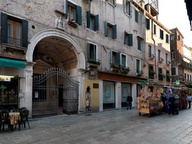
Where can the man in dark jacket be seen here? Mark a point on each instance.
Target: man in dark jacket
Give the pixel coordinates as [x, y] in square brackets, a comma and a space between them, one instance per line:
[129, 101]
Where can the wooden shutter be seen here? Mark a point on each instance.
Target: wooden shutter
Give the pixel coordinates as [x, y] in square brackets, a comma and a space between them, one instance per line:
[125, 33]
[137, 66]
[114, 32]
[88, 19]
[88, 51]
[130, 38]
[24, 33]
[96, 28]
[124, 6]
[79, 15]
[118, 58]
[3, 28]
[66, 8]
[105, 28]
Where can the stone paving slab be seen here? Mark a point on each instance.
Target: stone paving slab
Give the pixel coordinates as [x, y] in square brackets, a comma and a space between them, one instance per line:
[108, 127]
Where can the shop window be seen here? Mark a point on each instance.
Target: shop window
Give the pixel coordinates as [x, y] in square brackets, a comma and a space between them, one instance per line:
[128, 39]
[14, 31]
[110, 30]
[92, 21]
[92, 53]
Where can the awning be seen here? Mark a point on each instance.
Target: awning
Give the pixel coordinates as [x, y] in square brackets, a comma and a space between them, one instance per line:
[12, 63]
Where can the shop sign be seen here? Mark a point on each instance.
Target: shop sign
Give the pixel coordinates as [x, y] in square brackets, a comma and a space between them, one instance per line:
[5, 78]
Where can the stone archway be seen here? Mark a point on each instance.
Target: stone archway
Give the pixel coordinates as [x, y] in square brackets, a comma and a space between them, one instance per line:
[39, 37]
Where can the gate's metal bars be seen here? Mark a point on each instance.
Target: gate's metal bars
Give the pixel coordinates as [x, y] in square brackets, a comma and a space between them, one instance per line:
[46, 89]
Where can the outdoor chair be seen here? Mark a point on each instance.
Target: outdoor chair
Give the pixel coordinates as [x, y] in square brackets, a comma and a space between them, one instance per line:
[4, 119]
[24, 118]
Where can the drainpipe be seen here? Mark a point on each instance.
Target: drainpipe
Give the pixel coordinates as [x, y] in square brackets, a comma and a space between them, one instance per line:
[154, 48]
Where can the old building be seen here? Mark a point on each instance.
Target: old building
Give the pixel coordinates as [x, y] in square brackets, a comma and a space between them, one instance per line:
[51, 51]
[157, 55]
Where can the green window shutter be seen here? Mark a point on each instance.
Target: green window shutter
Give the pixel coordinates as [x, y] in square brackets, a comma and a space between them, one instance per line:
[130, 9]
[96, 23]
[105, 29]
[137, 66]
[124, 6]
[118, 58]
[136, 16]
[79, 15]
[114, 31]
[88, 19]
[149, 53]
[94, 54]
[125, 33]
[123, 60]
[130, 38]
[114, 2]
[3, 28]
[66, 8]
[24, 33]
[88, 51]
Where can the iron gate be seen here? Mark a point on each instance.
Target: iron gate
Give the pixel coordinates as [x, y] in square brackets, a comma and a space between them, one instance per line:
[54, 92]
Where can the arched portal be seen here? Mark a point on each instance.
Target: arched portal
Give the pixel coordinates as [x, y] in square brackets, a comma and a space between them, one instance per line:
[57, 58]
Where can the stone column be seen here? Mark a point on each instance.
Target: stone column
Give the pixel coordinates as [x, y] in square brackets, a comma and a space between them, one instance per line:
[101, 96]
[26, 86]
[134, 94]
[118, 95]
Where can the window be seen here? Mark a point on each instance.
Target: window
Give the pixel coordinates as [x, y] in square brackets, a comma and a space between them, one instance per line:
[167, 38]
[92, 53]
[149, 51]
[161, 34]
[172, 37]
[173, 70]
[128, 39]
[148, 23]
[138, 66]
[115, 58]
[136, 16]
[110, 30]
[178, 37]
[139, 43]
[167, 76]
[123, 60]
[127, 7]
[112, 2]
[160, 74]
[159, 55]
[92, 21]
[73, 11]
[151, 72]
[154, 30]
[14, 31]
[172, 55]
[166, 58]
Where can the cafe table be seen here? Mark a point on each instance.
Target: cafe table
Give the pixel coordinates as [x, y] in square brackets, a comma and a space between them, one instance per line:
[14, 118]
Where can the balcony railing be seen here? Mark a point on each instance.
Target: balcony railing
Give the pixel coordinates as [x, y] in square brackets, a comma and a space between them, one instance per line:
[94, 61]
[12, 41]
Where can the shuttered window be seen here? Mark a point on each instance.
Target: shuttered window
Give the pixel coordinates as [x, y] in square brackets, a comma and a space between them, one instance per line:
[127, 7]
[92, 21]
[110, 30]
[128, 39]
[136, 16]
[148, 23]
[138, 66]
[14, 31]
[92, 52]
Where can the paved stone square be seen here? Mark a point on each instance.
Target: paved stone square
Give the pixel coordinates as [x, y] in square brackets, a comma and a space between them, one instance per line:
[108, 127]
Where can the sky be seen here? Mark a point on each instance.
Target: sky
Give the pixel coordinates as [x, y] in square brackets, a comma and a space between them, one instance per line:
[172, 14]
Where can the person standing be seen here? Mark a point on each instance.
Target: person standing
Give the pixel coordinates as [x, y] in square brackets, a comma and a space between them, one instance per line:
[129, 101]
[88, 99]
[189, 101]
